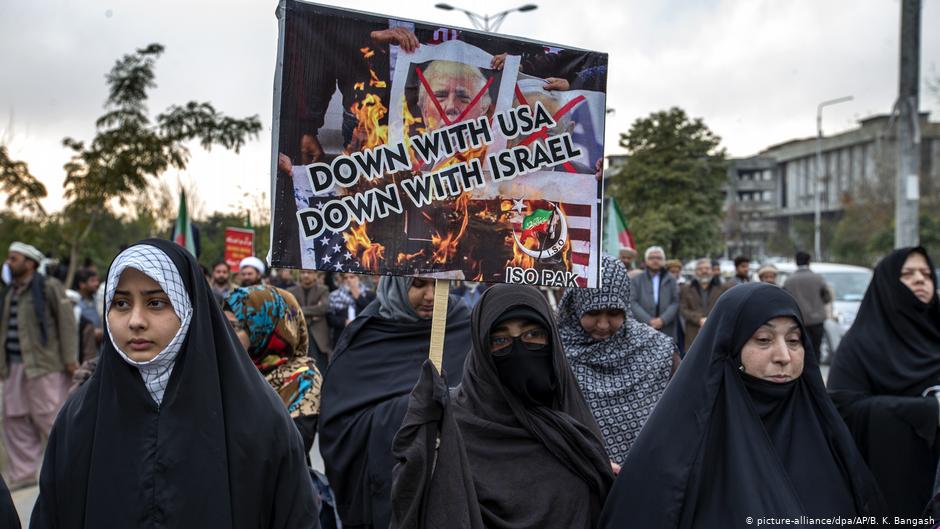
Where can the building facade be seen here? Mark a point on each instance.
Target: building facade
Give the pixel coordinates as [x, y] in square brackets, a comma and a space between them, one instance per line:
[769, 195]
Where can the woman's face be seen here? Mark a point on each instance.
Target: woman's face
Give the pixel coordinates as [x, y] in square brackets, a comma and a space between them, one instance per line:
[421, 297]
[916, 275]
[530, 332]
[602, 324]
[240, 330]
[775, 351]
[141, 317]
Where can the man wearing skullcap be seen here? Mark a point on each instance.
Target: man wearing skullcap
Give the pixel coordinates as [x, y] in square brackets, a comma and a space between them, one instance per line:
[38, 355]
[768, 274]
[250, 271]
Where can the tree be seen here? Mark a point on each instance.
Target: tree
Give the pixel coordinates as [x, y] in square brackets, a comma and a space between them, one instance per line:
[19, 185]
[670, 188]
[129, 152]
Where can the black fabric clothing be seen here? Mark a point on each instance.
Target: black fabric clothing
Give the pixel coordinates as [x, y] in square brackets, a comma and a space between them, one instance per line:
[375, 365]
[881, 369]
[9, 519]
[220, 451]
[721, 446]
[502, 463]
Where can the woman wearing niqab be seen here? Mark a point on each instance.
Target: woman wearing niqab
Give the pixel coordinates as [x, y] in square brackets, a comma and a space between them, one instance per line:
[735, 439]
[374, 366]
[189, 435]
[886, 375]
[622, 372]
[515, 445]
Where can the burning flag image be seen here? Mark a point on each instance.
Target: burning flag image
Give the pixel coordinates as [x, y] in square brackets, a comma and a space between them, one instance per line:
[536, 223]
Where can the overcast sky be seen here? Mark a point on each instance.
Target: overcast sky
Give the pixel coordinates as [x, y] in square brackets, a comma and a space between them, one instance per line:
[754, 70]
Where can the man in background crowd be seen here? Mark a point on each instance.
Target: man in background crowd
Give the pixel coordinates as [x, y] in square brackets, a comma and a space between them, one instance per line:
[698, 297]
[314, 300]
[674, 267]
[283, 278]
[221, 280]
[38, 356]
[626, 256]
[90, 328]
[250, 271]
[742, 271]
[655, 294]
[768, 274]
[716, 269]
[346, 302]
[812, 294]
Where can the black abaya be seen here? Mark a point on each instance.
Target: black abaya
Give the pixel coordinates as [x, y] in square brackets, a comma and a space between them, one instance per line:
[8, 516]
[365, 395]
[501, 463]
[883, 364]
[219, 451]
[722, 446]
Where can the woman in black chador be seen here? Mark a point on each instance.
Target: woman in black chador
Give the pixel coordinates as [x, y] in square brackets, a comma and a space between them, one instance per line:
[885, 379]
[365, 392]
[744, 431]
[515, 445]
[176, 427]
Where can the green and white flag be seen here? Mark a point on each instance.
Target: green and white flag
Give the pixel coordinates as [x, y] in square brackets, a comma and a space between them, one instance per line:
[183, 230]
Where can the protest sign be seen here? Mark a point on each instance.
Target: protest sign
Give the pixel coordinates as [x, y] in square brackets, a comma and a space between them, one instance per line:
[239, 244]
[406, 148]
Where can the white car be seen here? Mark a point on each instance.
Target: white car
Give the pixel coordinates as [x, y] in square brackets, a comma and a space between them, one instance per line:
[848, 284]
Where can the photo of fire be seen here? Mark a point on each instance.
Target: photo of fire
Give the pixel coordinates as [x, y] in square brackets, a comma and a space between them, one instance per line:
[347, 88]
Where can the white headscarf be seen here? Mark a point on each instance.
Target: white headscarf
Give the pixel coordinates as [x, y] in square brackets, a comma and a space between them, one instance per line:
[156, 265]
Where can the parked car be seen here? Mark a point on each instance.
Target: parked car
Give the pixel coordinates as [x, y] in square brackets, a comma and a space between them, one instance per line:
[848, 284]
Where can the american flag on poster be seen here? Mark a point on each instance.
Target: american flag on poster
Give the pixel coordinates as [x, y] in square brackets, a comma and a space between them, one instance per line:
[328, 251]
[579, 232]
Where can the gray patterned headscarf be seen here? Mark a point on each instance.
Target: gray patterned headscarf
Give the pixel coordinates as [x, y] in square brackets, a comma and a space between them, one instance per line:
[624, 376]
[157, 266]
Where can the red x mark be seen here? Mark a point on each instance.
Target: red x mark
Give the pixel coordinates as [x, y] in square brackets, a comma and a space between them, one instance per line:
[437, 103]
[544, 132]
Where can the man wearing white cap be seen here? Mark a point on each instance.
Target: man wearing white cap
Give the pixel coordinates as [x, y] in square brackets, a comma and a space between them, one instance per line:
[38, 355]
[250, 271]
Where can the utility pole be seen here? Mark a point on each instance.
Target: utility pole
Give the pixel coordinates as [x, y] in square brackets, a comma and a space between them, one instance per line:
[817, 215]
[907, 189]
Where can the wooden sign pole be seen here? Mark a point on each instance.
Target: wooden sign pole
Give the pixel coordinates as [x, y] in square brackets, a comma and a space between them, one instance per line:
[439, 322]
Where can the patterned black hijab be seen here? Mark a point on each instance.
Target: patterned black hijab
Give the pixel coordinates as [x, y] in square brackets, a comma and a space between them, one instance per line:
[624, 376]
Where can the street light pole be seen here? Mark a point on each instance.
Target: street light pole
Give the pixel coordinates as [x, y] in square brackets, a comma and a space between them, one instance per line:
[817, 213]
[488, 23]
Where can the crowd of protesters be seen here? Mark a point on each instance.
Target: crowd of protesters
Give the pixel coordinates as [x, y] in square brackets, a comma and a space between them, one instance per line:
[669, 389]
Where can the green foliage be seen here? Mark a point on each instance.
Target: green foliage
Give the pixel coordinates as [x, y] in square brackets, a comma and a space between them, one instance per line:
[866, 231]
[52, 235]
[670, 189]
[128, 149]
[21, 188]
[129, 152]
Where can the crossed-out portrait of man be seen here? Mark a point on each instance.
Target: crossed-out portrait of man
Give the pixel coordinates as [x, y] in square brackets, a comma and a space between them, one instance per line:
[450, 91]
